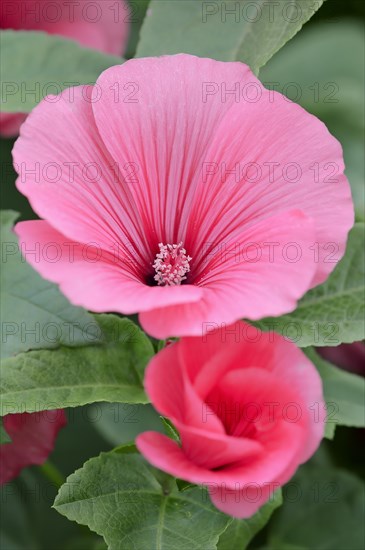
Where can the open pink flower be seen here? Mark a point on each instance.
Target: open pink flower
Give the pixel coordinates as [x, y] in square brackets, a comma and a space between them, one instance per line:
[184, 190]
[248, 407]
[102, 25]
[33, 437]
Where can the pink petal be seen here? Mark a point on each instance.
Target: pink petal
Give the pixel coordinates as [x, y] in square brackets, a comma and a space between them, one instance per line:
[299, 372]
[33, 438]
[206, 359]
[151, 113]
[243, 502]
[270, 413]
[172, 395]
[165, 454]
[272, 130]
[53, 175]
[89, 276]
[214, 450]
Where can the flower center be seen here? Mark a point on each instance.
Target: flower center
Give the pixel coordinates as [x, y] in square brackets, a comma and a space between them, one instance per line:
[171, 264]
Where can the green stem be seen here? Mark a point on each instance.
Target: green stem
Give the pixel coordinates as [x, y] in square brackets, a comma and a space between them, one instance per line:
[52, 473]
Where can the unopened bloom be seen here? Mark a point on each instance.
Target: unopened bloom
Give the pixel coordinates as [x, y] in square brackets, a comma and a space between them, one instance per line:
[101, 25]
[33, 437]
[164, 193]
[249, 411]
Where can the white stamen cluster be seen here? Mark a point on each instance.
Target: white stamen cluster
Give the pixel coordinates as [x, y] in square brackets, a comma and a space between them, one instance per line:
[171, 264]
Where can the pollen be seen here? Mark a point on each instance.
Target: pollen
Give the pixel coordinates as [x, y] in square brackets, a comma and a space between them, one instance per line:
[171, 264]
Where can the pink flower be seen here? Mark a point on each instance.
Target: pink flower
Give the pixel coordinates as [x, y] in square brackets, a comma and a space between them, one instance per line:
[33, 438]
[248, 407]
[141, 171]
[102, 25]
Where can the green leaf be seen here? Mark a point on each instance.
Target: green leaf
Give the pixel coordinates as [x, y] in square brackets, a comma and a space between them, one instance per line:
[225, 30]
[289, 73]
[241, 531]
[137, 15]
[170, 429]
[329, 431]
[334, 312]
[344, 393]
[132, 505]
[330, 87]
[68, 377]
[323, 510]
[36, 64]
[34, 313]
[4, 436]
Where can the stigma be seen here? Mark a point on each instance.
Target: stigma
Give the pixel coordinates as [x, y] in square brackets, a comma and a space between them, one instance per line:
[171, 264]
